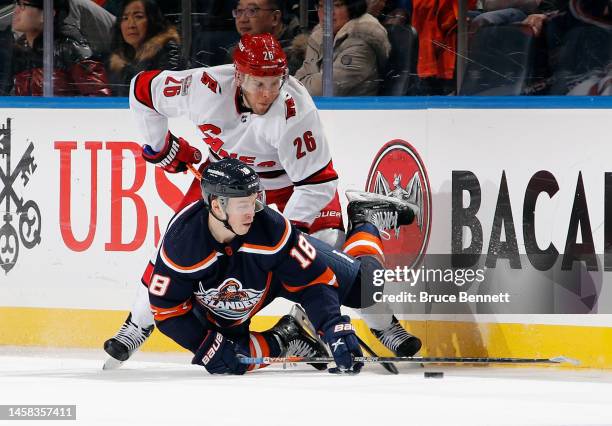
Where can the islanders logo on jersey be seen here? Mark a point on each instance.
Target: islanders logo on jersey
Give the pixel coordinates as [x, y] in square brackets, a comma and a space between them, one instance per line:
[230, 300]
[398, 171]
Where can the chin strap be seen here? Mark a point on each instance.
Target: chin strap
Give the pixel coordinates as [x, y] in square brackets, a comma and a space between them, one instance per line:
[223, 221]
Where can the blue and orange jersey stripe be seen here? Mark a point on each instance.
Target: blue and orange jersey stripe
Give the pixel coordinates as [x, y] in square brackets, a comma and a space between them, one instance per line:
[161, 314]
[196, 267]
[326, 278]
[261, 249]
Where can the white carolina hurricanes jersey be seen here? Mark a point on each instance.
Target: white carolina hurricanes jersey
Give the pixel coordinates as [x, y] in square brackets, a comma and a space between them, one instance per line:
[286, 146]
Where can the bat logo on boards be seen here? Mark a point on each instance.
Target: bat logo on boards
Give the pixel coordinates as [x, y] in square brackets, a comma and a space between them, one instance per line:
[398, 171]
[230, 300]
[25, 215]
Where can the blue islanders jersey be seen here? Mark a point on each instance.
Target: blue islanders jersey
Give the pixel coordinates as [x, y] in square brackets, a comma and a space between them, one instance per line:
[229, 283]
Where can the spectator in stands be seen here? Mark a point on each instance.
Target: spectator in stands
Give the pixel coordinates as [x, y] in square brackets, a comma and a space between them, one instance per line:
[391, 12]
[142, 40]
[361, 51]
[6, 61]
[214, 32]
[111, 6]
[436, 24]
[595, 83]
[6, 48]
[94, 22]
[271, 16]
[530, 12]
[580, 48]
[75, 72]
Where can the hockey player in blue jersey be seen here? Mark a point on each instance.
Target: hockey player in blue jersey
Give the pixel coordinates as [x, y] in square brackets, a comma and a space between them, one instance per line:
[299, 185]
[224, 258]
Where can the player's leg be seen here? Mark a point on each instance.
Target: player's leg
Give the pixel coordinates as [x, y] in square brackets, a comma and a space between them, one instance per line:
[328, 225]
[289, 338]
[134, 331]
[139, 324]
[219, 351]
[367, 216]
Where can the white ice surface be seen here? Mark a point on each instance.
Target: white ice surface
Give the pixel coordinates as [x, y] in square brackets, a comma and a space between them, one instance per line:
[156, 389]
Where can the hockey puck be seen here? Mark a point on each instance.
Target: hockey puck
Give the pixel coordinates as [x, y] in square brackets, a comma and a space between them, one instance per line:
[433, 374]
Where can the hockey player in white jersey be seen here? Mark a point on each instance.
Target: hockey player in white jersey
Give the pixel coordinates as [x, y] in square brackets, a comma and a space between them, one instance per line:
[254, 111]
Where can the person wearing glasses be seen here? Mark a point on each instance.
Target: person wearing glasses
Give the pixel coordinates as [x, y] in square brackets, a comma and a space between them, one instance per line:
[271, 16]
[360, 53]
[76, 70]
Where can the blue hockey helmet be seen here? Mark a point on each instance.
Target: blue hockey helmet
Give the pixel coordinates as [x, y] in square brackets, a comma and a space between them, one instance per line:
[231, 178]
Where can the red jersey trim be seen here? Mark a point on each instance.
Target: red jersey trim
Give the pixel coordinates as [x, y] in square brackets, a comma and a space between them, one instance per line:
[142, 87]
[326, 174]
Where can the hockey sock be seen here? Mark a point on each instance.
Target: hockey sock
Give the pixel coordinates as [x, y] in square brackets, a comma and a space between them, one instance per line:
[376, 317]
[261, 345]
[141, 309]
[364, 240]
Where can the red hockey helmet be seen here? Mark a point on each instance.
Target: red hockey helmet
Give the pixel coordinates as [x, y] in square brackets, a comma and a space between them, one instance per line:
[260, 55]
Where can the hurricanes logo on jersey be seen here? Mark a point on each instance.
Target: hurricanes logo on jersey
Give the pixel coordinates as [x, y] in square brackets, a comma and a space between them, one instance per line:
[230, 300]
[398, 171]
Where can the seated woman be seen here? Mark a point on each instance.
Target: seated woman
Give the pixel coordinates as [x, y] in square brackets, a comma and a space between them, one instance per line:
[76, 72]
[361, 52]
[142, 40]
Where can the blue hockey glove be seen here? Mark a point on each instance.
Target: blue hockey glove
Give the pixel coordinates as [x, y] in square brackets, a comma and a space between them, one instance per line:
[218, 355]
[341, 338]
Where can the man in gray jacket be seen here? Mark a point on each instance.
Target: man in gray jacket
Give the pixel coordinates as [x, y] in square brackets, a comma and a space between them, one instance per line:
[361, 51]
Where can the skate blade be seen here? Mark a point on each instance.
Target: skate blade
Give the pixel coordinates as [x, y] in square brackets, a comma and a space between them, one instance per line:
[300, 316]
[112, 364]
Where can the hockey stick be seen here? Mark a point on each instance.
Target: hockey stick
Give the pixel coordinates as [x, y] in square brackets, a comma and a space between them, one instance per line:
[416, 359]
[195, 171]
[390, 367]
[299, 314]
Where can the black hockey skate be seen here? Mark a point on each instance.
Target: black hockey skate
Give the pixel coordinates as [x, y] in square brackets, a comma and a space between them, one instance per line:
[295, 340]
[127, 340]
[381, 211]
[398, 340]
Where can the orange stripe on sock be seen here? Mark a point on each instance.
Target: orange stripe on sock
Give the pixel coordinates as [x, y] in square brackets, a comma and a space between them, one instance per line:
[258, 346]
[362, 250]
[363, 236]
[364, 244]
